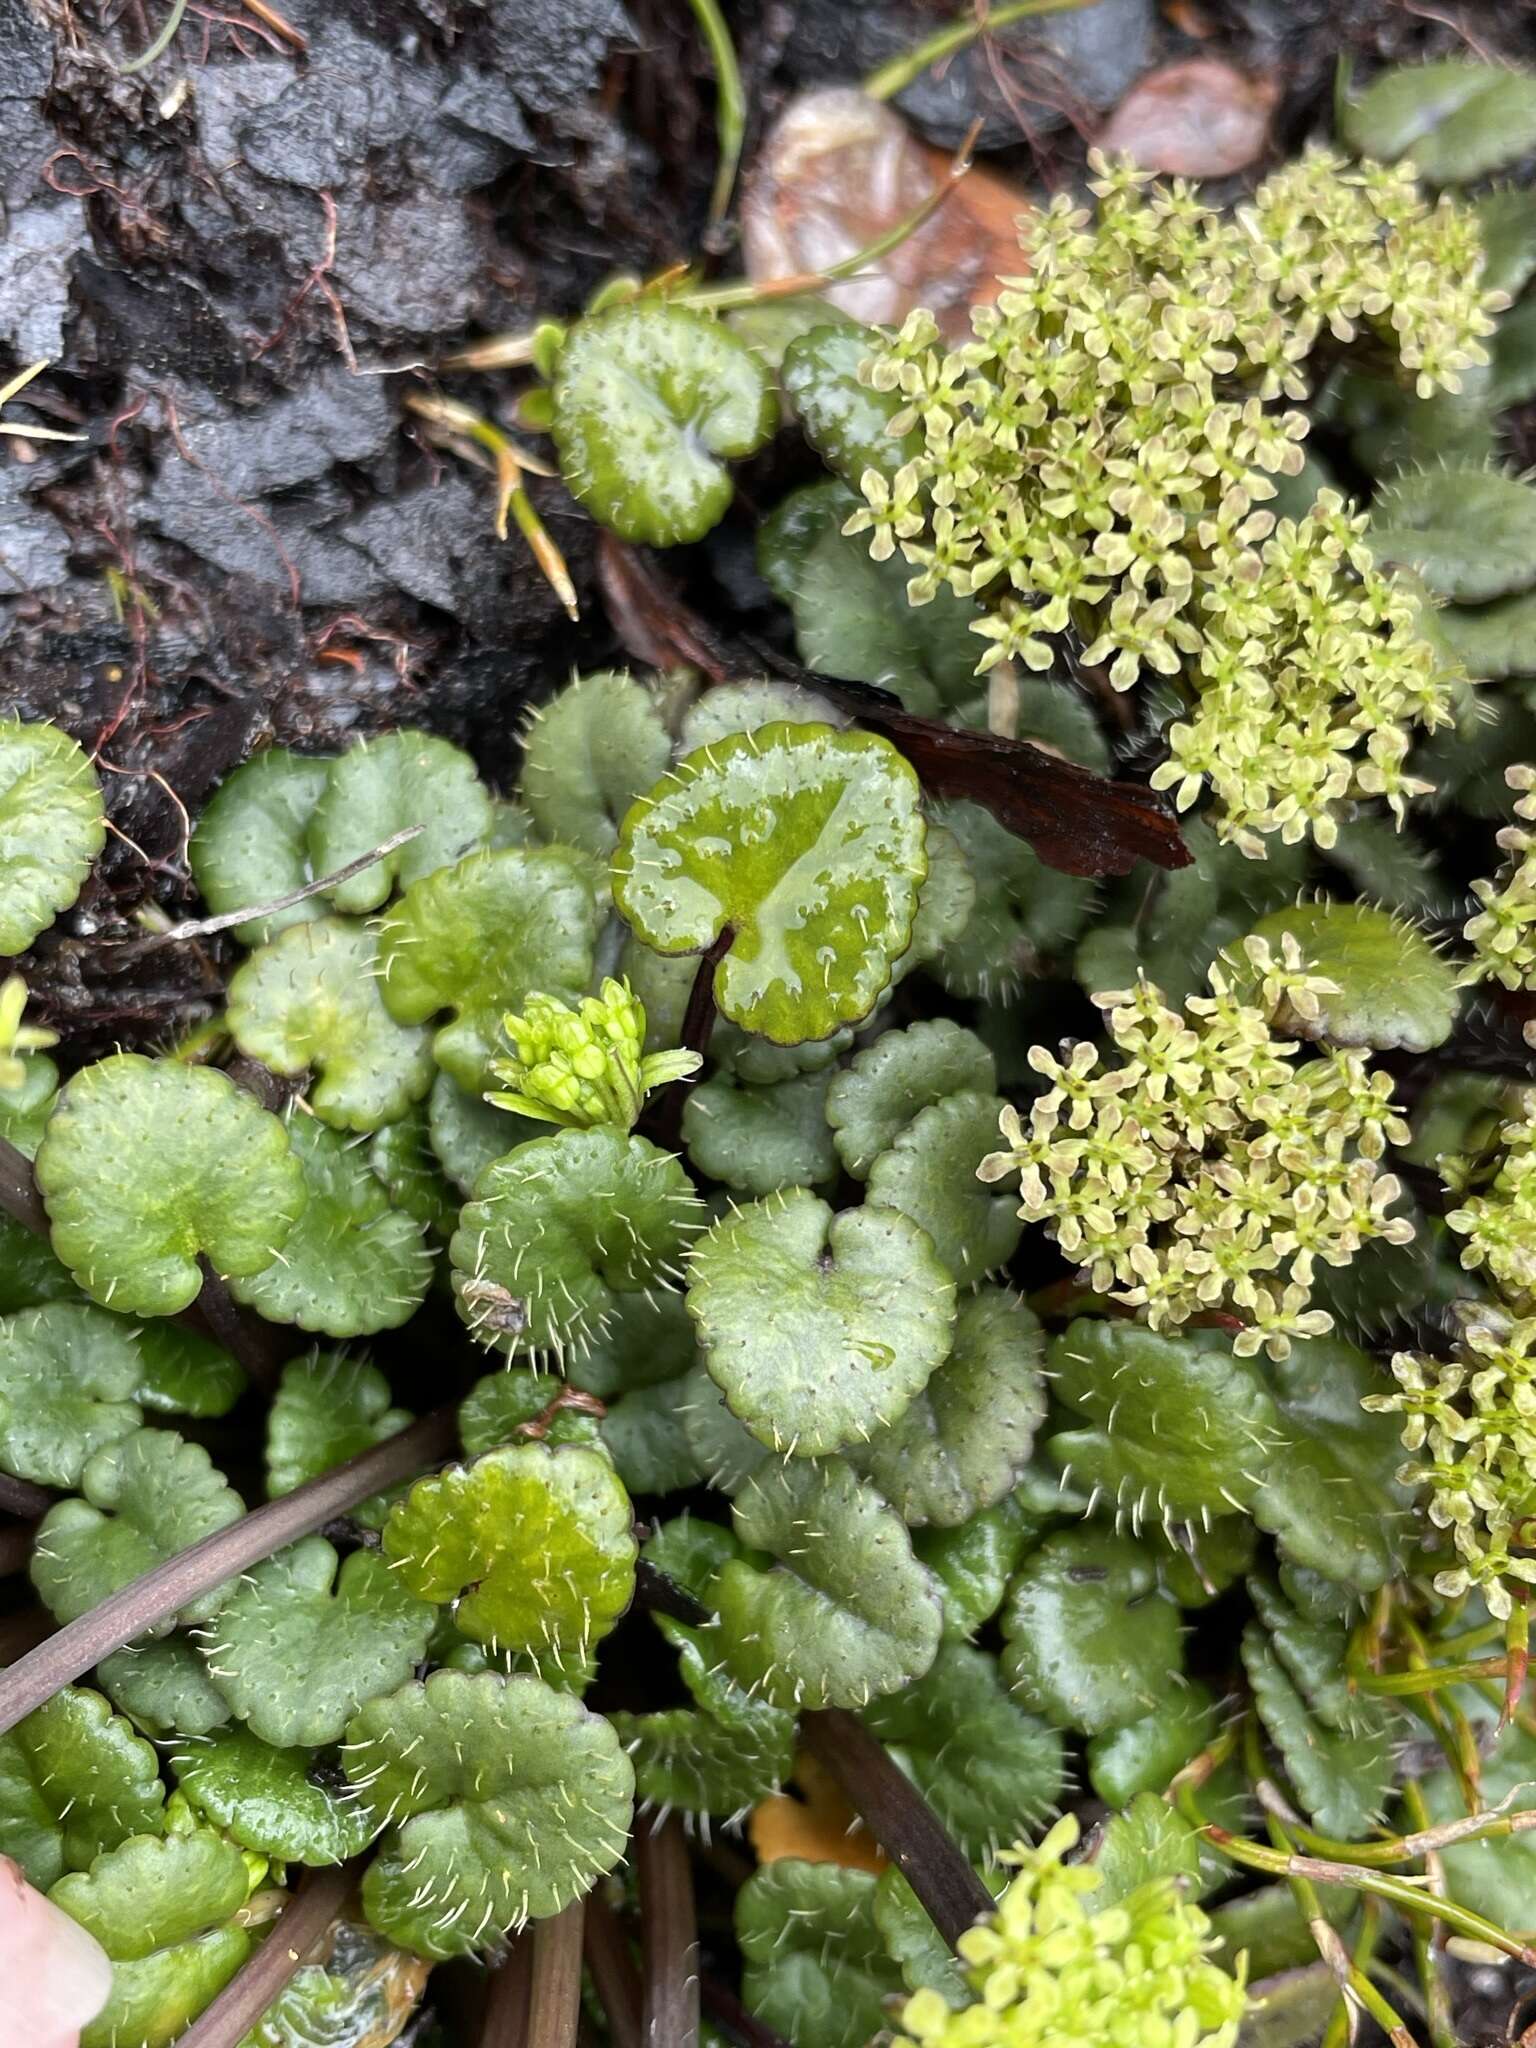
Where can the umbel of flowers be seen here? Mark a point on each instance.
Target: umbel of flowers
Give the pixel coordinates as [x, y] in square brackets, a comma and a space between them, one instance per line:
[1095, 464]
[1208, 1167]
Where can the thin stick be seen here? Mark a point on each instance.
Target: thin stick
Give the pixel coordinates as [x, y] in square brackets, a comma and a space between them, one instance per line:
[302, 1925]
[730, 103]
[504, 2023]
[899, 73]
[554, 1999]
[669, 1936]
[900, 1819]
[278, 25]
[162, 1592]
[614, 1976]
[201, 927]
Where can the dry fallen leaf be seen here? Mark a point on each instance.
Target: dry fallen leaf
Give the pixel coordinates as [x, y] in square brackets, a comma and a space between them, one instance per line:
[836, 171]
[1197, 119]
[821, 1828]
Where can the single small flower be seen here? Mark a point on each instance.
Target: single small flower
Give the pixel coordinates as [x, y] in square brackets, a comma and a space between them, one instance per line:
[16, 1038]
[584, 1065]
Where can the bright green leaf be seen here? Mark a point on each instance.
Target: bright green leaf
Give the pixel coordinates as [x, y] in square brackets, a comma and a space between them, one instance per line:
[1090, 1642]
[69, 1375]
[181, 1373]
[380, 787]
[75, 1779]
[758, 1140]
[328, 1408]
[588, 754]
[270, 1800]
[52, 826]
[1394, 989]
[817, 1970]
[251, 845]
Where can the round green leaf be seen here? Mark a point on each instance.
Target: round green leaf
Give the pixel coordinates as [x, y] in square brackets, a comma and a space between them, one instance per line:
[1146, 1755]
[474, 940]
[963, 1440]
[687, 1761]
[929, 1175]
[846, 422]
[328, 1408]
[298, 1645]
[1024, 911]
[1176, 1427]
[1493, 641]
[271, 1801]
[155, 2000]
[991, 1772]
[817, 1970]
[225, 1184]
[26, 1108]
[379, 788]
[1457, 119]
[650, 402]
[146, 1497]
[52, 826]
[588, 754]
[648, 1338]
[888, 1083]
[181, 1373]
[498, 1408]
[310, 999]
[1091, 1643]
[351, 1264]
[1470, 533]
[69, 1375]
[155, 1891]
[164, 1686]
[758, 1140]
[844, 1614]
[973, 1562]
[743, 707]
[251, 845]
[818, 1328]
[74, 1780]
[805, 844]
[1394, 989]
[560, 1229]
[512, 1800]
[535, 1544]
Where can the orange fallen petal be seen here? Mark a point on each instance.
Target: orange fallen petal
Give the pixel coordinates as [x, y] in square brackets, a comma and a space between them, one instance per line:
[820, 1828]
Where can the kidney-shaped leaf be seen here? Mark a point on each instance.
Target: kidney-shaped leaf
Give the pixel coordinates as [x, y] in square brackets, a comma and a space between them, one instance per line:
[476, 939]
[146, 1497]
[351, 1264]
[817, 1969]
[588, 754]
[299, 1645]
[929, 1175]
[182, 1373]
[1091, 1643]
[251, 842]
[650, 401]
[1470, 533]
[52, 826]
[74, 1779]
[224, 1182]
[805, 845]
[535, 1543]
[686, 1760]
[327, 1409]
[164, 1687]
[818, 1327]
[845, 1613]
[561, 1229]
[1392, 988]
[310, 999]
[379, 788]
[511, 1801]
[69, 1375]
[270, 1801]
[873, 1099]
[1456, 119]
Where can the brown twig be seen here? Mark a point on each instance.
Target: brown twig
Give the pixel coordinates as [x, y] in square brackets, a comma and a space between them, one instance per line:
[159, 1594]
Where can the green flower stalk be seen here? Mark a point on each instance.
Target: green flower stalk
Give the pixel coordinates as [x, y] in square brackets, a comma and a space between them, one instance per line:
[18, 1039]
[1094, 466]
[1209, 1168]
[585, 1065]
[1050, 1971]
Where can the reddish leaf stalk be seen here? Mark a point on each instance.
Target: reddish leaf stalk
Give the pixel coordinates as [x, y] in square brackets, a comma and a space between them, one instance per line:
[148, 1601]
[246, 1996]
[504, 2023]
[554, 1998]
[669, 1936]
[900, 1819]
[612, 1968]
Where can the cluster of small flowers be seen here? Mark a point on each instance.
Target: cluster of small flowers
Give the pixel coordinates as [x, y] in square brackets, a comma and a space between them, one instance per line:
[1472, 1418]
[580, 1066]
[1048, 1971]
[1210, 1168]
[1096, 459]
[1471, 1421]
[1502, 935]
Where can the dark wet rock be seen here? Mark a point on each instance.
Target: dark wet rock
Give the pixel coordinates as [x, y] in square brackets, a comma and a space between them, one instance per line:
[26, 66]
[163, 326]
[412, 266]
[553, 51]
[333, 417]
[1055, 66]
[429, 539]
[34, 548]
[37, 253]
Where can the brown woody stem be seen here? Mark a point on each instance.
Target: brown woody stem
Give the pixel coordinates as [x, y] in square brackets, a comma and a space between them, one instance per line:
[146, 1602]
[554, 1998]
[900, 1819]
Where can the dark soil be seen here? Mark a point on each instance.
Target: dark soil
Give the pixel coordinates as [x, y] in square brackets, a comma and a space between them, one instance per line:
[242, 258]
